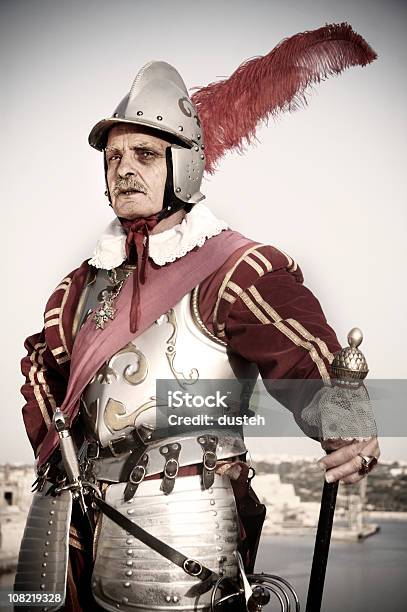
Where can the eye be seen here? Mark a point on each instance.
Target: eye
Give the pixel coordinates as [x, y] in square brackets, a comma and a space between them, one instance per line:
[114, 157]
[146, 154]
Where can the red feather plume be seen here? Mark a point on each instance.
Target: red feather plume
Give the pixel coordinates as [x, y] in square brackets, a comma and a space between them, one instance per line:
[230, 110]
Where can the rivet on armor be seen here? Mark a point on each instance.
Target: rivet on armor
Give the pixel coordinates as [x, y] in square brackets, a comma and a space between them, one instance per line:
[94, 583]
[52, 512]
[118, 606]
[50, 522]
[116, 115]
[175, 446]
[164, 450]
[129, 562]
[126, 584]
[44, 564]
[42, 587]
[217, 525]
[175, 599]
[139, 113]
[131, 511]
[49, 532]
[202, 156]
[219, 548]
[129, 573]
[47, 543]
[159, 118]
[43, 574]
[202, 147]
[54, 501]
[167, 598]
[222, 572]
[198, 136]
[214, 513]
[178, 189]
[125, 600]
[210, 490]
[129, 541]
[196, 148]
[181, 129]
[217, 537]
[212, 502]
[45, 554]
[201, 440]
[188, 196]
[129, 552]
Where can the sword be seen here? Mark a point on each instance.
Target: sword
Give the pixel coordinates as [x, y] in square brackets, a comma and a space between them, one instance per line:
[349, 367]
[70, 461]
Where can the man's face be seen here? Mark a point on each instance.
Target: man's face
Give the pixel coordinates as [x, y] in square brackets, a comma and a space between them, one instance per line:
[136, 171]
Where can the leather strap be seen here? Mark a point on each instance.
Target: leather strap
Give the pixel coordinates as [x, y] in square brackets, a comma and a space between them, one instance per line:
[190, 566]
[171, 454]
[208, 444]
[136, 476]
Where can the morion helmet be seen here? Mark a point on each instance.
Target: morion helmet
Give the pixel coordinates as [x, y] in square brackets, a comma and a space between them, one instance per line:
[159, 100]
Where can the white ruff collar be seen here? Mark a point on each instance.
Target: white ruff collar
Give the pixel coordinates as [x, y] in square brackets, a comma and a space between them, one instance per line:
[194, 229]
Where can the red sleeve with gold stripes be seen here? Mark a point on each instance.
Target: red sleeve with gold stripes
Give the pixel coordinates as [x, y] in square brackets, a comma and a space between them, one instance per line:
[266, 315]
[46, 365]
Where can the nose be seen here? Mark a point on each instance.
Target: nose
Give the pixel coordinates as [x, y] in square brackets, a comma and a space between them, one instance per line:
[127, 165]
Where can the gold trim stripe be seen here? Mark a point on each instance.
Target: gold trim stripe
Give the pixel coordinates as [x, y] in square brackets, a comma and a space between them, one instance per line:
[64, 285]
[235, 288]
[225, 281]
[278, 323]
[58, 350]
[35, 369]
[229, 298]
[61, 360]
[51, 322]
[61, 329]
[50, 313]
[254, 265]
[264, 260]
[322, 345]
[266, 306]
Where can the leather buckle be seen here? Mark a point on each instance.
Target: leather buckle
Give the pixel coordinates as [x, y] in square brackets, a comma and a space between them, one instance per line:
[168, 473]
[171, 453]
[209, 445]
[209, 460]
[141, 470]
[192, 567]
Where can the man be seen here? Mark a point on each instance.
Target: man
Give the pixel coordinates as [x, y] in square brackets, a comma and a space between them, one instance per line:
[170, 293]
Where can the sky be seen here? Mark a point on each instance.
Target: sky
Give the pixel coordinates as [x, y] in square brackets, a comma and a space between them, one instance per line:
[327, 184]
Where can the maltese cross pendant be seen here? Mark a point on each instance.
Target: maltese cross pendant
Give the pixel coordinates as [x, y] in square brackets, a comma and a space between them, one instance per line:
[106, 312]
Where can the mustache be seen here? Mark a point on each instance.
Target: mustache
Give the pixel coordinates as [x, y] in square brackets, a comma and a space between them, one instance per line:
[128, 183]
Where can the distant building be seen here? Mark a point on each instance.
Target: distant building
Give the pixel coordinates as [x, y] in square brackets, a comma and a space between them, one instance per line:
[15, 500]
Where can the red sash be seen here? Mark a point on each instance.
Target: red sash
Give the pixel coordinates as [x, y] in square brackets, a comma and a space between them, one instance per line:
[164, 288]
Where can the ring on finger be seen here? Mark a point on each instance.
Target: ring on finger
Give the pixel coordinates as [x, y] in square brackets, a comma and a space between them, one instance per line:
[368, 463]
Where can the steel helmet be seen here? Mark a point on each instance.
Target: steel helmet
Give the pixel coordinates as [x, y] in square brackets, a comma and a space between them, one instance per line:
[159, 100]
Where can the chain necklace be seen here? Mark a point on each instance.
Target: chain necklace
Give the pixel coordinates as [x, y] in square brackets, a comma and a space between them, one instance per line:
[107, 309]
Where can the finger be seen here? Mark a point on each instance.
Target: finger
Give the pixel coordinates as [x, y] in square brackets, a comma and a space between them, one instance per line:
[341, 455]
[346, 453]
[352, 466]
[346, 469]
[352, 479]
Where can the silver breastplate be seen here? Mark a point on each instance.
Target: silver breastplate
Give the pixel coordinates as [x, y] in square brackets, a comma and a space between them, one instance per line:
[122, 394]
